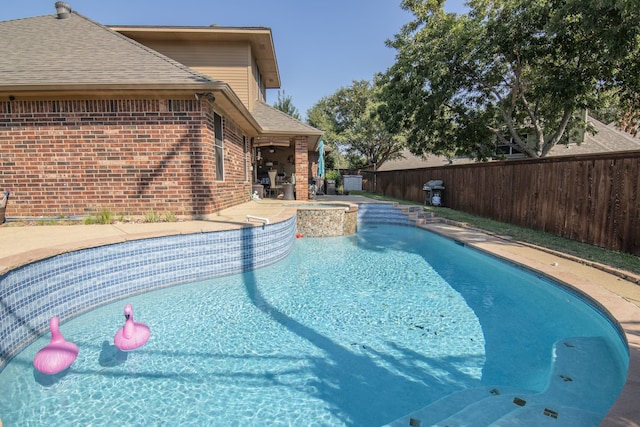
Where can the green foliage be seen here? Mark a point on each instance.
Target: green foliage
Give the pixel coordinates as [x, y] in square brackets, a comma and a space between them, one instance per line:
[103, 217]
[352, 125]
[285, 104]
[505, 70]
[329, 160]
[355, 161]
[60, 221]
[152, 216]
[334, 175]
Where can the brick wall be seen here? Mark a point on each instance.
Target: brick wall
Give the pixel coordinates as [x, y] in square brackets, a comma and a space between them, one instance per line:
[132, 157]
[302, 169]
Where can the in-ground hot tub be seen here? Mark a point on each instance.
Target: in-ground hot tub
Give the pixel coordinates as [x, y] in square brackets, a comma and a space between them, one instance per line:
[326, 219]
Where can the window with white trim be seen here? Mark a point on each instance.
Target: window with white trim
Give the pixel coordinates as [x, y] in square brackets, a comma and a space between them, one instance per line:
[219, 146]
[245, 151]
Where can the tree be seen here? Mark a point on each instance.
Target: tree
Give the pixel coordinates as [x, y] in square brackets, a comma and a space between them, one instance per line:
[284, 104]
[630, 119]
[351, 123]
[515, 72]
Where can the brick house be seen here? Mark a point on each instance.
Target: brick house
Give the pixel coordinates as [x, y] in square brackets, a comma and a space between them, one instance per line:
[92, 119]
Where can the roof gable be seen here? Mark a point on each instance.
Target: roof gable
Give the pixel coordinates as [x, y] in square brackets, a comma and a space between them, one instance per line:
[259, 38]
[46, 50]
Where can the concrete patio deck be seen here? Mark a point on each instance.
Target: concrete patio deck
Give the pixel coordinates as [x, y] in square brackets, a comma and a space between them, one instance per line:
[617, 291]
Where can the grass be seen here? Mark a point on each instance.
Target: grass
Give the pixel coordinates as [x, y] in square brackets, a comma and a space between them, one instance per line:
[620, 260]
[103, 217]
[153, 216]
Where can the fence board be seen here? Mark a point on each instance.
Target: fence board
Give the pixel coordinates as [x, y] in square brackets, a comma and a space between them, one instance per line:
[589, 198]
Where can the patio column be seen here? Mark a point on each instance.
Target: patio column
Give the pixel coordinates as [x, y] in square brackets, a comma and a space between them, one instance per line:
[301, 155]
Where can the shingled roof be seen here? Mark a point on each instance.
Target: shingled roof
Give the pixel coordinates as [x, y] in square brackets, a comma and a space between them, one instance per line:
[274, 120]
[78, 52]
[607, 139]
[52, 53]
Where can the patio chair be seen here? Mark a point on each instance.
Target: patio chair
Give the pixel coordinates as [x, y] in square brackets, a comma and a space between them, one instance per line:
[273, 186]
[3, 206]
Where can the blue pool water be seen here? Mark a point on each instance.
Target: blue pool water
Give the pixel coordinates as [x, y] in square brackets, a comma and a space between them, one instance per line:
[356, 331]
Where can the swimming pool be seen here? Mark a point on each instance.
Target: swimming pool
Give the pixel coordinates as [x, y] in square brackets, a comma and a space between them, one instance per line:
[308, 341]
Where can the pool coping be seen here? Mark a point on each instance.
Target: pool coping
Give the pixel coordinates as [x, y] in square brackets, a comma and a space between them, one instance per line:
[619, 292]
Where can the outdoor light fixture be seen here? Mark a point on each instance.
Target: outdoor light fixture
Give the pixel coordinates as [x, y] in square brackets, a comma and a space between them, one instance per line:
[258, 155]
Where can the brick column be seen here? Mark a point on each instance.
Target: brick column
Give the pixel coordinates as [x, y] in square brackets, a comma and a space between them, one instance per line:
[302, 167]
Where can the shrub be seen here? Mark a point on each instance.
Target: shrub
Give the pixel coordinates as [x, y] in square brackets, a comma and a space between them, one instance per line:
[334, 175]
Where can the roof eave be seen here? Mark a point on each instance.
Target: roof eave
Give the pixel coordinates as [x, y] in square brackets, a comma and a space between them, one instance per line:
[225, 97]
[232, 101]
[268, 132]
[105, 87]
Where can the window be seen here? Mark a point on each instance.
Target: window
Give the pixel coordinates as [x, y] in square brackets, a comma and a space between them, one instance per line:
[219, 148]
[245, 150]
[510, 151]
[260, 83]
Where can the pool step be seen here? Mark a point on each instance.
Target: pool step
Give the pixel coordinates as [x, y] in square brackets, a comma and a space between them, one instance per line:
[518, 410]
[578, 393]
[487, 411]
[389, 213]
[416, 213]
[456, 403]
[541, 415]
[497, 407]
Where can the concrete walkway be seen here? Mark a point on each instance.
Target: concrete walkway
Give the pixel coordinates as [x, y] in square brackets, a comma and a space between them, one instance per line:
[617, 291]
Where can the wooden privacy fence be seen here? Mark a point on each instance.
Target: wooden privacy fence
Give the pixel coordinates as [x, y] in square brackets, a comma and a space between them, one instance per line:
[591, 198]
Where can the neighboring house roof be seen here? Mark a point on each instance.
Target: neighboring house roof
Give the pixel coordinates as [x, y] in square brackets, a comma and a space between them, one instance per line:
[608, 138]
[275, 123]
[411, 161]
[47, 52]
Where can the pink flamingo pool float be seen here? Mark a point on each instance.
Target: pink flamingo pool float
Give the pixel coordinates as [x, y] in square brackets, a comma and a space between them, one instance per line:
[56, 356]
[133, 334]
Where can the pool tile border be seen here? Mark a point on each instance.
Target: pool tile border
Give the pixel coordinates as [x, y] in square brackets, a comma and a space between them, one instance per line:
[68, 284]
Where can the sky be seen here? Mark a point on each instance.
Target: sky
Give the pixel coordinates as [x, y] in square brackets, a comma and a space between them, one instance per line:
[321, 45]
